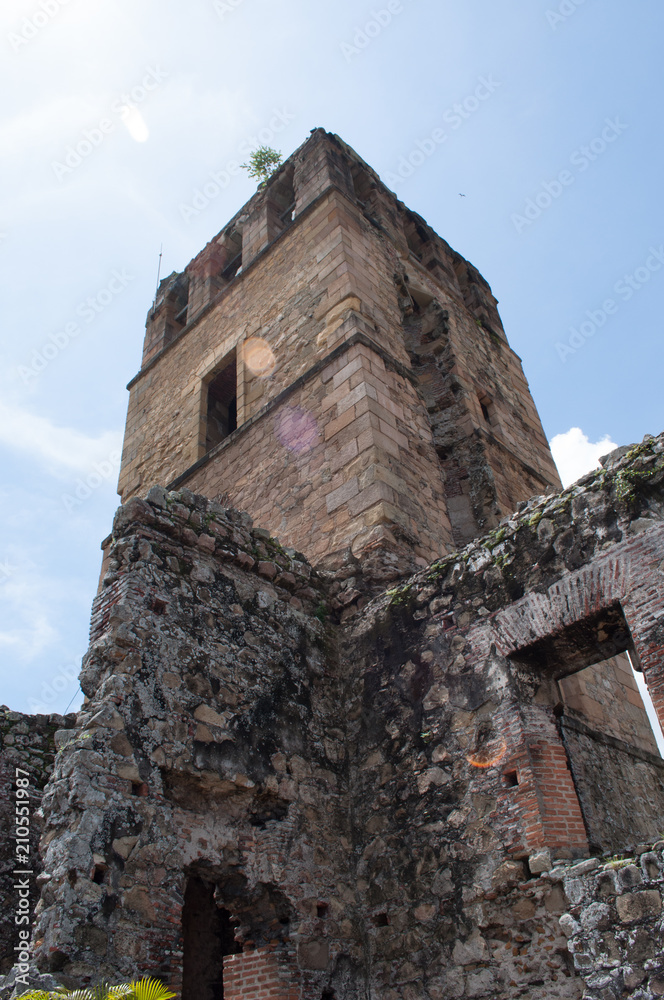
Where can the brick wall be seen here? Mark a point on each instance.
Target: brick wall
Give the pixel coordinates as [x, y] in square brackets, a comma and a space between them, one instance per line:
[260, 975]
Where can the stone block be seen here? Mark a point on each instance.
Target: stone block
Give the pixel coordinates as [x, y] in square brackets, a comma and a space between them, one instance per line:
[634, 906]
[314, 954]
[540, 861]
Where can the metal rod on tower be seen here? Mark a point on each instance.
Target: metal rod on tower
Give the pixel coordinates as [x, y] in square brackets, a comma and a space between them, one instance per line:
[156, 291]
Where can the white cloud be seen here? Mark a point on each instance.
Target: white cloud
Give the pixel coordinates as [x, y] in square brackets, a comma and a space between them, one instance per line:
[575, 455]
[63, 449]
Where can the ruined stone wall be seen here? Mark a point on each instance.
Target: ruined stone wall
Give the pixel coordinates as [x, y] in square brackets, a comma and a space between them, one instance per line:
[486, 429]
[26, 742]
[615, 926]
[452, 719]
[376, 805]
[209, 746]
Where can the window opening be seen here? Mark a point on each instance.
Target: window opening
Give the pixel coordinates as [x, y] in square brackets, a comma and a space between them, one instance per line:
[281, 195]
[221, 405]
[233, 243]
[486, 407]
[583, 678]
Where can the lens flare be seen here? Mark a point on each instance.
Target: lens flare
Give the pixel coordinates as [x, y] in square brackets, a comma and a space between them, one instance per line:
[296, 429]
[259, 356]
[135, 123]
[490, 754]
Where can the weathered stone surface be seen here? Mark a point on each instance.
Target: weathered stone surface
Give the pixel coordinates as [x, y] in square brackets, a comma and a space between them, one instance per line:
[639, 906]
[384, 411]
[315, 717]
[26, 743]
[292, 777]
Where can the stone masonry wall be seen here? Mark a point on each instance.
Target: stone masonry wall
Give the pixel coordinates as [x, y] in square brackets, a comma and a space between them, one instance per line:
[350, 259]
[615, 925]
[636, 780]
[209, 746]
[590, 697]
[363, 469]
[26, 742]
[377, 805]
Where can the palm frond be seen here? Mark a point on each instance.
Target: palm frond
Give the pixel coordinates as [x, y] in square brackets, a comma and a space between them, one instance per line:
[150, 989]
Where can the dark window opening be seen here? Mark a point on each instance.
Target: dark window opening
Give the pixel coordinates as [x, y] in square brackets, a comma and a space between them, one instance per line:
[416, 237]
[233, 243]
[281, 195]
[328, 995]
[98, 874]
[380, 920]
[322, 910]
[207, 937]
[510, 779]
[221, 405]
[178, 299]
[171, 303]
[486, 406]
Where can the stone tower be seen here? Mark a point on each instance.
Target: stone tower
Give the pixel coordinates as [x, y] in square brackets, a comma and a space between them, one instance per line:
[289, 781]
[331, 366]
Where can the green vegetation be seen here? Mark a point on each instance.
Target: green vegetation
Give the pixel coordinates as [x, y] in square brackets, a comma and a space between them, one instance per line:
[399, 595]
[495, 538]
[262, 163]
[145, 989]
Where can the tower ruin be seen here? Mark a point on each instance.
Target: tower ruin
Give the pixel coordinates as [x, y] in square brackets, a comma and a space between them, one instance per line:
[330, 365]
[360, 719]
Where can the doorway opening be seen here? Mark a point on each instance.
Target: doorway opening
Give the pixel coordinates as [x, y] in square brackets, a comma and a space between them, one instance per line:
[208, 936]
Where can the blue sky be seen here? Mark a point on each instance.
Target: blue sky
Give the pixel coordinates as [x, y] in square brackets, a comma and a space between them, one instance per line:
[551, 113]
